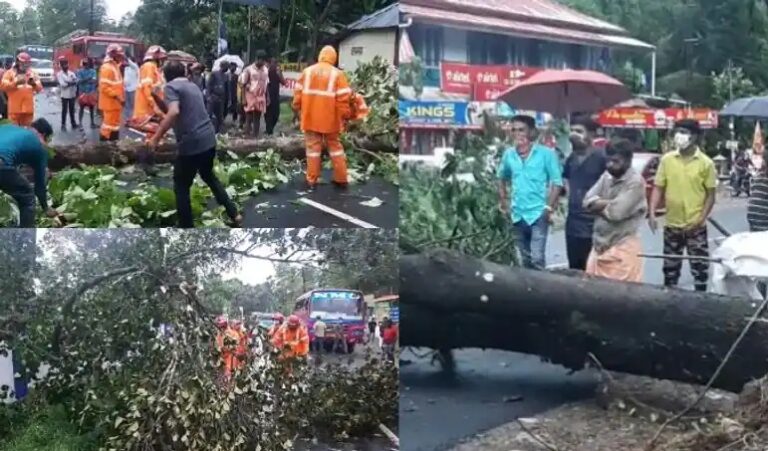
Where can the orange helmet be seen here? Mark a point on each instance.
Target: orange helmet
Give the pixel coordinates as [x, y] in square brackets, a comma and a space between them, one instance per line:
[155, 52]
[114, 50]
[280, 318]
[23, 57]
[293, 321]
[221, 321]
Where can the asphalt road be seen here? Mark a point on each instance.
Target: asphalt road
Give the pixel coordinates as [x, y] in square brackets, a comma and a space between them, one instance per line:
[437, 411]
[283, 207]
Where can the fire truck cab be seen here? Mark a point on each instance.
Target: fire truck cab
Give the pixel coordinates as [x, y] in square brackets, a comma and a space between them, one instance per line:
[79, 45]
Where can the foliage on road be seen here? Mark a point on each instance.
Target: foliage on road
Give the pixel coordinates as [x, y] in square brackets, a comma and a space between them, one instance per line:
[458, 207]
[95, 321]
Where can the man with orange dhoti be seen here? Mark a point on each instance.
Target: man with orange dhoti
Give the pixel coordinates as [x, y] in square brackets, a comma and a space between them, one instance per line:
[111, 93]
[619, 203]
[322, 96]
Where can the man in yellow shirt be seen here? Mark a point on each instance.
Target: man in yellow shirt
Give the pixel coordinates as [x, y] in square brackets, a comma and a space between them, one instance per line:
[687, 179]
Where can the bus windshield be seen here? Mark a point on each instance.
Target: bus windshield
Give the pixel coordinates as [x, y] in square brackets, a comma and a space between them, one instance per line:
[336, 304]
[38, 51]
[99, 49]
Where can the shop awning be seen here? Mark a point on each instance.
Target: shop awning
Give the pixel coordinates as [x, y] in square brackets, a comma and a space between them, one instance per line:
[519, 28]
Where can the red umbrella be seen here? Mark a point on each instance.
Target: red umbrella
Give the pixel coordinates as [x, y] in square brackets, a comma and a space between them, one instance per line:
[562, 92]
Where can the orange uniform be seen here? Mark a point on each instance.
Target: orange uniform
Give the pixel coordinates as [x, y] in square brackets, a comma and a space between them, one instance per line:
[111, 98]
[323, 95]
[227, 343]
[292, 342]
[150, 80]
[21, 98]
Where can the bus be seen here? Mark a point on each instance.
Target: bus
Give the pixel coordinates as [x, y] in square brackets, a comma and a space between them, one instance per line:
[40, 52]
[335, 307]
[79, 45]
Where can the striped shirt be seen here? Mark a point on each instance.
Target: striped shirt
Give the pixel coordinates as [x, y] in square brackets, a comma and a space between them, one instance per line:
[757, 209]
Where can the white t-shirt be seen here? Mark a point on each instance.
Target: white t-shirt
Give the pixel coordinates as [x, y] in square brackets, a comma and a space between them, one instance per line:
[131, 77]
[319, 329]
[67, 84]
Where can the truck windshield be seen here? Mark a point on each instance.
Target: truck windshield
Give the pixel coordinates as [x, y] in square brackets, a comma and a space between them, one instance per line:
[99, 49]
[42, 64]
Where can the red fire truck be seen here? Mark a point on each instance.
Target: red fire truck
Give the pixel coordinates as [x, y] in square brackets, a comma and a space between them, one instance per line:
[79, 45]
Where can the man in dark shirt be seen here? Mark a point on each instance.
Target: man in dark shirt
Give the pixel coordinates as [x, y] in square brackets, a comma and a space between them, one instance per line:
[196, 144]
[276, 79]
[582, 169]
[233, 106]
[24, 146]
[217, 94]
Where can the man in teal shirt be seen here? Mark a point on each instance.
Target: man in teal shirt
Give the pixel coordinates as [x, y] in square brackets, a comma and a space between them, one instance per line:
[533, 172]
[24, 146]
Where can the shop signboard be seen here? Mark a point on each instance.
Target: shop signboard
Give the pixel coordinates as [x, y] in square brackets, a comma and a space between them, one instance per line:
[485, 82]
[656, 118]
[439, 114]
[291, 73]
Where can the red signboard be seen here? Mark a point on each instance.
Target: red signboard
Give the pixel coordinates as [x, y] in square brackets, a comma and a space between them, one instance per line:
[460, 78]
[659, 119]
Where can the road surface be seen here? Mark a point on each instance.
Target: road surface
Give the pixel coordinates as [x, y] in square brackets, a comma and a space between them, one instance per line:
[437, 411]
[288, 205]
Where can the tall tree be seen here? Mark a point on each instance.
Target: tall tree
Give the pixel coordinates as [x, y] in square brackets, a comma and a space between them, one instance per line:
[59, 17]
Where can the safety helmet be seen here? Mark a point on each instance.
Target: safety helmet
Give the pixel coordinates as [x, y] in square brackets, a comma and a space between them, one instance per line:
[155, 52]
[221, 321]
[293, 321]
[280, 318]
[114, 50]
[23, 57]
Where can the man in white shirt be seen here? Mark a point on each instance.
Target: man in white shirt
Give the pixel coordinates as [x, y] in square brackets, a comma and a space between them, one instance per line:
[319, 332]
[67, 81]
[131, 80]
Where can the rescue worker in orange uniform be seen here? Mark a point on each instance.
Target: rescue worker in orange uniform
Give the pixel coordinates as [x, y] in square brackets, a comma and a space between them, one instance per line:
[227, 340]
[241, 350]
[322, 97]
[21, 84]
[292, 339]
[275, 327]
[147, 115]
[111, 93]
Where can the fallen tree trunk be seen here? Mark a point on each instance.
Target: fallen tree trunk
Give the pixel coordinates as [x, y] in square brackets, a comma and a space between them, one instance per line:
[127, 151]
[454, 301]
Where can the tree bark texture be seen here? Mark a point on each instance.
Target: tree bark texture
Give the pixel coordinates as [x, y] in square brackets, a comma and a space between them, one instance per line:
[126, 152]
[454, 301]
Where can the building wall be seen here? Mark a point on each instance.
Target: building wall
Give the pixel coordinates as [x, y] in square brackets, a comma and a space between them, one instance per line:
[364, 46]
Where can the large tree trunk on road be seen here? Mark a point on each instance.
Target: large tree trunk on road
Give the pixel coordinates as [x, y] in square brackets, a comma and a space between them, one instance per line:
[126, 151]
[448, 303]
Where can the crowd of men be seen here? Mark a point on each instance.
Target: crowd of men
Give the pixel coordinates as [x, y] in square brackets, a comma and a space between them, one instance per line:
[160, 95]
[607, 201]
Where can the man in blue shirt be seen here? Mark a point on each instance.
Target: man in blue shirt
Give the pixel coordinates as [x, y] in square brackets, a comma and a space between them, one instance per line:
[533, 172]
[582, 169]
[18, 146]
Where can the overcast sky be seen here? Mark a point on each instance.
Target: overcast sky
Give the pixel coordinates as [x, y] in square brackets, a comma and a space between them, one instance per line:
[115, 8]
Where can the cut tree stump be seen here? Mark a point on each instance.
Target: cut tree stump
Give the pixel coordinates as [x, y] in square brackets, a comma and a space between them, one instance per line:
[454, 301]
[126, 151]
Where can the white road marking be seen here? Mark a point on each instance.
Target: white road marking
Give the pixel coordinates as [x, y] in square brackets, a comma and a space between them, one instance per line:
[337, 213]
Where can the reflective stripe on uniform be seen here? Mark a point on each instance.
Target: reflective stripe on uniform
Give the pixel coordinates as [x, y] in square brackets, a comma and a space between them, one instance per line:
[332, 79]
[145, 81]
[111, 127]
[314, 154]
[110, 82]
[343, 91]
[329, 90]
[339, 153]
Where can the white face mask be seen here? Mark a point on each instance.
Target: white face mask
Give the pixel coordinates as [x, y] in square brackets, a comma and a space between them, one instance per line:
[682, 140]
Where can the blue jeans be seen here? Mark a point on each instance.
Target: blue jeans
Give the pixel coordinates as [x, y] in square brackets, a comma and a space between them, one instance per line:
[532, 242]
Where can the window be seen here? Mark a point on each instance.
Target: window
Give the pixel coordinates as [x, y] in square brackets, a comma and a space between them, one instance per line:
[576, 56]
[485, 48]
[357, 51]
[428, 44]
[553, 55]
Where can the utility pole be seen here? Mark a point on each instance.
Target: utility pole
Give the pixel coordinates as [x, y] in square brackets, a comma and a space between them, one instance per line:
[730, 80]
[90, 22]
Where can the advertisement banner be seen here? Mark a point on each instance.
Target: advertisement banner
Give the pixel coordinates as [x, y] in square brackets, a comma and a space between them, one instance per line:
[290, 78]
[655, 119]
[437, 114]
[460, 78]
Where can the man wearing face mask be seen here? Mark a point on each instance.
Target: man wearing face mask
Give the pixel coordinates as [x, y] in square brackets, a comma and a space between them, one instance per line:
[618, 202]
[581, 170]
[687, 179]
[533, 172]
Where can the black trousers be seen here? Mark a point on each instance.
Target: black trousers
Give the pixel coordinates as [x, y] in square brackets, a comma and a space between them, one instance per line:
[272, 115]
[216, 111]
[184, 171]
[3, 105]
[68, 106]
[15, 185]
[578, 250]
